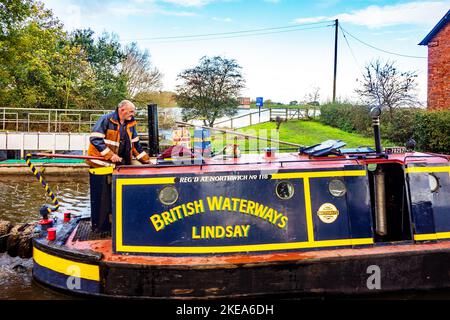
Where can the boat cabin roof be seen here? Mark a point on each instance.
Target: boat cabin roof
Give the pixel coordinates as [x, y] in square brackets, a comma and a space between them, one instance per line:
[248, 162]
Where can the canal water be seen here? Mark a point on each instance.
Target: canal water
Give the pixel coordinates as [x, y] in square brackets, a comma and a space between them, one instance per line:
[20, 200]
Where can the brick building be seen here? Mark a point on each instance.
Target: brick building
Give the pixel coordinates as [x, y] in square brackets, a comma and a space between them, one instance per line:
[438, 42]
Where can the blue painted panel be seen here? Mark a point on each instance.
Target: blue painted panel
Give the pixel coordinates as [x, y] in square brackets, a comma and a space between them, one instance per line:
[59, 280]
[441, 203]
[421, 203]
[339, 229]
[140, 203]
[359, 208]
[430, 210]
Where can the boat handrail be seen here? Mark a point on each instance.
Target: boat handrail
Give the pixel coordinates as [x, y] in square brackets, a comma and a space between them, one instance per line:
[432, 155]
[238, 164]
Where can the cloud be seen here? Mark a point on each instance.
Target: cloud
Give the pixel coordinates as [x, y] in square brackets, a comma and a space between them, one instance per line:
[189, 3]
[423, 13]
[272, 1]
[96, 14]
[222, 19]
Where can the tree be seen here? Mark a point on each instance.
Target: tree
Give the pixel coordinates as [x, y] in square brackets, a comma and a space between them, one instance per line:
[161, 98]
[312, 98]
[140, 73]
[105, 57]
[386, 86]
[12, 13]
[210, 90]
[31, 39]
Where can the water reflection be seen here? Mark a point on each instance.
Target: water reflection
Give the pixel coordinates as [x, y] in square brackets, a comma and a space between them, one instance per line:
[20, 200]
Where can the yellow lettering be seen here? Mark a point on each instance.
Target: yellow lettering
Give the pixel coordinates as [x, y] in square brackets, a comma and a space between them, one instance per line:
[194, 233]
[283, 222]
[237, 232]
[246, 228]
[250, 207]
[214, 203]
[269, 215]
[243, 206]
[220, 232]
[158, 224]
[199, 208]
[229, 230]
[191, 209]
[209, 232]
[235, 203]
[166, 218]
[277, 216]
[178, 214]
[226, 204]
[260, 210]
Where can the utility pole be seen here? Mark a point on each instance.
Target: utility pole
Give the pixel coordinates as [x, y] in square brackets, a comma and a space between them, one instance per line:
[336, 23]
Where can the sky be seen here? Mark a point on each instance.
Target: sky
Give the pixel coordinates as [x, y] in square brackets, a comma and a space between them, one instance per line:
[290, 54]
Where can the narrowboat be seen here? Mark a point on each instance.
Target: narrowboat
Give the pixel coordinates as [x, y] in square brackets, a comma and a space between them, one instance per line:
[319, 220]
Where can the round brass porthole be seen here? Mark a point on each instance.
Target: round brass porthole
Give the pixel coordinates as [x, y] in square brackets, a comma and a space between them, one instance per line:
[284, 190]
[168, 195]
[337, 187]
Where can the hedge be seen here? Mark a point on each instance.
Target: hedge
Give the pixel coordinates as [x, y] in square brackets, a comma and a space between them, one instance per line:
[431, 130]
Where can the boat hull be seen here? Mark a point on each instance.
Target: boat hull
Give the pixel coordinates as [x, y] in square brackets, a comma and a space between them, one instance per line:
[341, 271]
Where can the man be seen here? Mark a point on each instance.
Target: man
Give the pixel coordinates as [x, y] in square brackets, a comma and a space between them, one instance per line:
[114, 137]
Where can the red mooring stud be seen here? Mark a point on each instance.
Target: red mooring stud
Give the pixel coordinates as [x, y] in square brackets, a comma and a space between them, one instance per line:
[66, 216]
[51, 234]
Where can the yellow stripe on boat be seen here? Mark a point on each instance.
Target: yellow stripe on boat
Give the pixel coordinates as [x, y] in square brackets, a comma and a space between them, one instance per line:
[427, 169]
[102, 170]
[432, 236]
[319, 174]
[245, 248]
[64, 266]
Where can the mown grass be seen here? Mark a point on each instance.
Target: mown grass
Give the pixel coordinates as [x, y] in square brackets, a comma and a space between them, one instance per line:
[305, 133]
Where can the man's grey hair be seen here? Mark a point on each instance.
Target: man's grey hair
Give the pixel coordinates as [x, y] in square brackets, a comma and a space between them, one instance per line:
[125, 102]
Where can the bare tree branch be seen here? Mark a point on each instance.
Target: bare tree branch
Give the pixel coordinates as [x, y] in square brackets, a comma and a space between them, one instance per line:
[384, 85]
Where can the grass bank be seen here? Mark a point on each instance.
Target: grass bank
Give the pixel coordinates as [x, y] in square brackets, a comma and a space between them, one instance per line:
[302, 132]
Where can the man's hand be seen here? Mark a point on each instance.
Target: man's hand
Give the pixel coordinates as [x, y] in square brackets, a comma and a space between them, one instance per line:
[115, 158]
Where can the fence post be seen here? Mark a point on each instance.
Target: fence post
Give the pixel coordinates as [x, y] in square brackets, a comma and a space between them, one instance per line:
[23, 146]
[54, 143]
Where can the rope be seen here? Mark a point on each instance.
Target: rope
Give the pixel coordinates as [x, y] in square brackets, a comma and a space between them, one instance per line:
[38, 176]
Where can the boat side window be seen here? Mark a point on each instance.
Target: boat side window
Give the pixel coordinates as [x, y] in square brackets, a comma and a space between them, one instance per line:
[434, 182]
[168, 195]
[284, 190]
[337, 187]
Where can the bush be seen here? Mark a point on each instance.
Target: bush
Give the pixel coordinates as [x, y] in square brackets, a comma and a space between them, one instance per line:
[345, 116]
[398, 126]
[431, 130]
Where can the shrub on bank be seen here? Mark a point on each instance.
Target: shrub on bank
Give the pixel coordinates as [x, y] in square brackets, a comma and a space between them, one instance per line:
[431, 130]
[345, 116]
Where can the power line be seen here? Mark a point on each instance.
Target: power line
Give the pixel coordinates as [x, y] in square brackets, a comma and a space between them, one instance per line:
[241, 36]
[385, 51]
[351, 51]
[241, 32]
